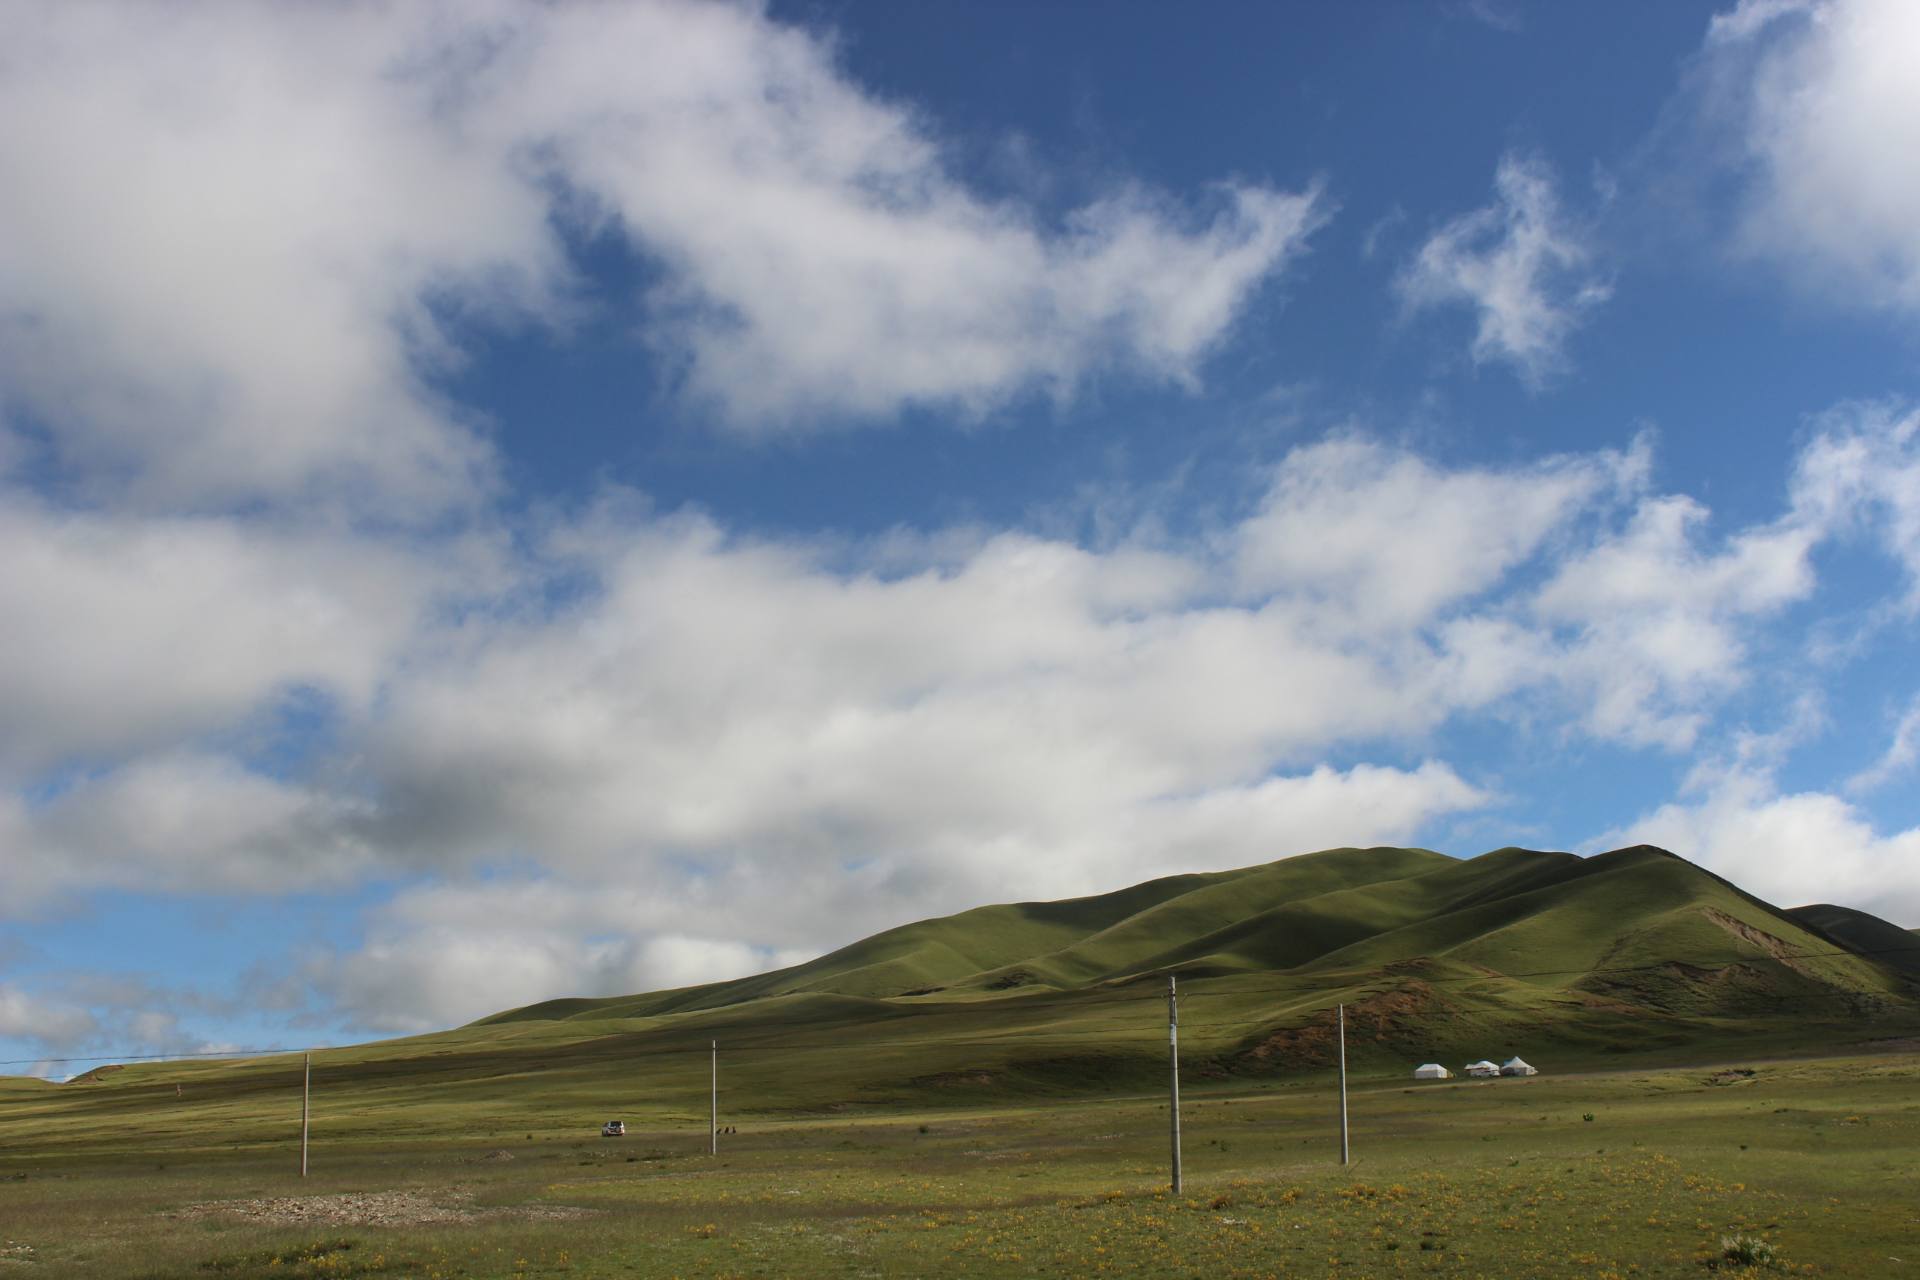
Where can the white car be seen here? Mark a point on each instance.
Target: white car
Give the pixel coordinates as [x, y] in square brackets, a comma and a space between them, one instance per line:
[613, 1129]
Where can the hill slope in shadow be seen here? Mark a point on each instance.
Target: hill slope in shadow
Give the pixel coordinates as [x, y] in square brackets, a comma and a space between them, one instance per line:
[1626, 950]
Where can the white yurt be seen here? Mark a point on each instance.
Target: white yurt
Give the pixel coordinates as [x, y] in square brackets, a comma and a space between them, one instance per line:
[1483, 1069]
[1431, 1071]
[1514, 1066]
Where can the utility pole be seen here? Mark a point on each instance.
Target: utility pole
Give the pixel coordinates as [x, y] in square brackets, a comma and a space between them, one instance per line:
[1346, 1155]
[1173, 1075]
[306, 1105]
[713, 1104]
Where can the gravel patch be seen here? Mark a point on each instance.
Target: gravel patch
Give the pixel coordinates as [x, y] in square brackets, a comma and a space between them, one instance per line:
[371, 1209]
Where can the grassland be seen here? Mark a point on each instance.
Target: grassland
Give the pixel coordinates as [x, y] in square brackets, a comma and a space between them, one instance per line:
[982, 1095]
[1814, 1156]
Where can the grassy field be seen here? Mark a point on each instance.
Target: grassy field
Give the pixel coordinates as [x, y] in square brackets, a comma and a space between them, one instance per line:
[1621, 1173]
[983, 1095]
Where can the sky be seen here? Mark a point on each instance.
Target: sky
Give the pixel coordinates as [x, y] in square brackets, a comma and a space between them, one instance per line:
[504, 501]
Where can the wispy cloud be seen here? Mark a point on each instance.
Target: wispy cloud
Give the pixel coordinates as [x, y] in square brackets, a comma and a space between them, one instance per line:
[1901, 755]
[1524, 266]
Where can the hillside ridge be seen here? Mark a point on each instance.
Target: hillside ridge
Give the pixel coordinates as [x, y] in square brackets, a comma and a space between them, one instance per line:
[1545, 918]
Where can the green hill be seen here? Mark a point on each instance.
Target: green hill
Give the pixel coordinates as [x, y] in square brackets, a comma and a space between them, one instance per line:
[1623, 925]
[1556, 956]
[1630, 955]
[1867, 934]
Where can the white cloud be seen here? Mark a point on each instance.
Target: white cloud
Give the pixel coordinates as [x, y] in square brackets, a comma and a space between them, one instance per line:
[228, 231]
[823, 262]
[794, 743]
[77, 1019]
[1659, 620]
[1789, 848]
[720, 694]
[449, 953]
[243, 243]
[1902, 753]
[125, 633]
[51, 1025]
[1522, 263]
[1388, 538]
[1824, 99]
[1859, 475]
[179, 821]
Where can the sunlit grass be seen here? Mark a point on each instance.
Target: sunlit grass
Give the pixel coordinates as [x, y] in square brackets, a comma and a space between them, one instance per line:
[1814, 1161]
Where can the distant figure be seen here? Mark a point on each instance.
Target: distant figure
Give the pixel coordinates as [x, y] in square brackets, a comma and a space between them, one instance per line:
[176, 1091]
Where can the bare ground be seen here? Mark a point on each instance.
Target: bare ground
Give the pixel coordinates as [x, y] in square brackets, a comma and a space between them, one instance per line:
[370, 1209]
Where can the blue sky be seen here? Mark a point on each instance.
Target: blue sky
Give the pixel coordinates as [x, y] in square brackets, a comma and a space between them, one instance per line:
[503, 501]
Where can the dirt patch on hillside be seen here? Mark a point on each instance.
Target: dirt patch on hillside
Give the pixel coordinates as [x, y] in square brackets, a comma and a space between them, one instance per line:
[1775, 947]
[1733, 1075]
[1388, 1017]
[370, 1209]
[953, 1079]
[98, 1074]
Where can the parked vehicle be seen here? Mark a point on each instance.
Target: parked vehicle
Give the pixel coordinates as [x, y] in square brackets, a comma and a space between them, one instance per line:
[614, 1129]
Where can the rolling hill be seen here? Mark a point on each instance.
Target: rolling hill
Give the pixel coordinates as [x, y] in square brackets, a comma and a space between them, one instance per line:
[1867, 934]
[1631, 919]
[1634, 955]
[1631, 951]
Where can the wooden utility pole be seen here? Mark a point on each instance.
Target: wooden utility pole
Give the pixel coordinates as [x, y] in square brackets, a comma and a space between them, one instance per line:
[1173, 1075]
[1346, 1155]
[306, 1106]
[713, 1104]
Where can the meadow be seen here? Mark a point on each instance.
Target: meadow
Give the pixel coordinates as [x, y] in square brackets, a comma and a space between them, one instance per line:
[985, 1095]
[1632, 1171]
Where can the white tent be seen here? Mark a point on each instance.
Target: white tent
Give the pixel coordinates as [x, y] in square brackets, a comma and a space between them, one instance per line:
[1431, 1071]
[1483, 1068]
[1515, 1067]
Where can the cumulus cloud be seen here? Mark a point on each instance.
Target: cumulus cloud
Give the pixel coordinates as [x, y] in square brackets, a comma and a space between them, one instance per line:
[1523, 264]
[1391, 539]
[1822, 98]
[822, 259]
[233, 226]
[124, 633]
[449, 953]
[795, 742]
[53, 1026]
[76, 1019]
[645, 719]
[1791, 848]
[289, 220]
[1659, 619]
[168, 821]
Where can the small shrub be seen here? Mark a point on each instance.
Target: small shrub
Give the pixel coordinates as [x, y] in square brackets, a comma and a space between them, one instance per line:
[1746, 1251]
